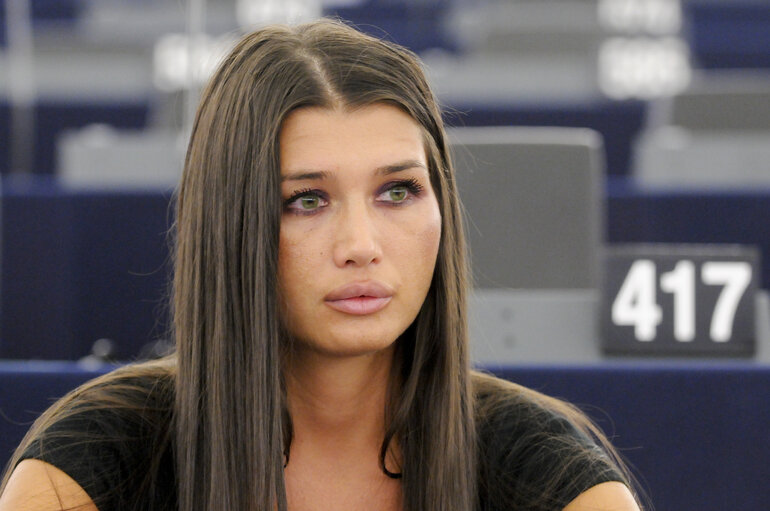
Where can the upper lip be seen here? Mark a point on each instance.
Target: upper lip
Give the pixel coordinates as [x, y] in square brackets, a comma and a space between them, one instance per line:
[369, 288]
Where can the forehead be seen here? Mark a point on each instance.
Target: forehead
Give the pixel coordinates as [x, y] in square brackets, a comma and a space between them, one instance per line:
[331, 137]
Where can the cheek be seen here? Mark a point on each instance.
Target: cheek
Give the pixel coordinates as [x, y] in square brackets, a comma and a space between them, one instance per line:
[424, 243]
[432, 240]
[295, 269]
[295, 263]
[299, 247]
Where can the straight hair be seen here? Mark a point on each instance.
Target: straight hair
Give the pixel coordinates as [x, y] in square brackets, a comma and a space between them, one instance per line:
[225, 416]
[233, 429]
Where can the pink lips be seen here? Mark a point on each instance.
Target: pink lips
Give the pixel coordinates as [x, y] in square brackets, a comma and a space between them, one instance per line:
[359, 298]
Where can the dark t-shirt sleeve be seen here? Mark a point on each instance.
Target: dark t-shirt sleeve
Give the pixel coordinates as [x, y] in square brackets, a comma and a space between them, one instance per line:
[112, 451]
[532, 459]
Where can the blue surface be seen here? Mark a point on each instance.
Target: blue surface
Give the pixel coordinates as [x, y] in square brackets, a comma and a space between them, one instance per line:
[696, 434]
[81, 266]
[729, 34]
[691, 217]
[49, 9]
[418, 25]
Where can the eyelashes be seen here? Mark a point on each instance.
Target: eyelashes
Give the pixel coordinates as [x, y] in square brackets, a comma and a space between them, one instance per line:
[308, 201]
[412, 185]
[305, 192]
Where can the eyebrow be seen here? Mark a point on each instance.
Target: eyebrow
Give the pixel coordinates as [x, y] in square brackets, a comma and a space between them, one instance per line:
[385, 170]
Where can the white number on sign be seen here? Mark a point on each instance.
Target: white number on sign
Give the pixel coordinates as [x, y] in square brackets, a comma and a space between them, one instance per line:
[681, 282]
[635, 304]
[735, 277]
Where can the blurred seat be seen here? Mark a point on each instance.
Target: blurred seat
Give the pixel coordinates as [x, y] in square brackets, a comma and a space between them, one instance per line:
[718, 101]
[713, 136]
[723, 110]
[54, 116]
[100, 157]
[140, 23]
[532, 63]
[673, 158]
[519, 51]
[533, 198]
[534, 214]
[524, 26]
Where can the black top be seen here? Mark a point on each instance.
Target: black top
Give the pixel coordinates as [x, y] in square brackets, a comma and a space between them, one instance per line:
[528, 453]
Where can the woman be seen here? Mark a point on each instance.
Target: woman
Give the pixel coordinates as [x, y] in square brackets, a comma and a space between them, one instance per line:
[319, 316]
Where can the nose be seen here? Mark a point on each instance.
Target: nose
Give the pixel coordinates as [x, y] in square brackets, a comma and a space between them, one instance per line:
[356, 242]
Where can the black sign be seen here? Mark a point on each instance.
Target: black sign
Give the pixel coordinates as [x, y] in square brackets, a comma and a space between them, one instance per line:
[679, 299]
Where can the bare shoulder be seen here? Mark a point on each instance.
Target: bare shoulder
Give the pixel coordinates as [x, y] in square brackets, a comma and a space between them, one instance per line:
[39, 486]
[609, 496]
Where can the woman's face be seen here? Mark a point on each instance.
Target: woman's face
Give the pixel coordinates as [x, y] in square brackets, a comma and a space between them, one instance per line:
[360, 227]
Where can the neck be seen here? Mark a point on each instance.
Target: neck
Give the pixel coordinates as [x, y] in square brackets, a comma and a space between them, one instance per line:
[339, 402]
[337, 406]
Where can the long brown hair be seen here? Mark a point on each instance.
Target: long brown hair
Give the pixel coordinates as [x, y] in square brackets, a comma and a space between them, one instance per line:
[233, 430]
[228, 421]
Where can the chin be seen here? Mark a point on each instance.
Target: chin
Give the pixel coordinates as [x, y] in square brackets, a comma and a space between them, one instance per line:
[348, 344]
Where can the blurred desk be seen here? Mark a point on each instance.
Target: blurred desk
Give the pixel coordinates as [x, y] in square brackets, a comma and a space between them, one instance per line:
[78, 266]
[696, 434]
[618, 122]
[53, 117]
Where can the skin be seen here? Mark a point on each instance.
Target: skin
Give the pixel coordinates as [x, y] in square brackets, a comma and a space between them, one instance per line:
[610, 496]
[37, 486]
[358, 223]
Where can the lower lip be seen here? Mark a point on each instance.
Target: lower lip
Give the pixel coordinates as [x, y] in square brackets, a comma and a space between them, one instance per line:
[360, 305]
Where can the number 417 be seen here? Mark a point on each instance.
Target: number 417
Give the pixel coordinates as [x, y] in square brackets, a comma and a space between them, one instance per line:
[635, 303]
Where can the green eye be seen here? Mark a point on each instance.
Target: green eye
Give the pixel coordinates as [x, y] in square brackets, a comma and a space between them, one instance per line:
[306, 202]
[398, 194]
[309, 202]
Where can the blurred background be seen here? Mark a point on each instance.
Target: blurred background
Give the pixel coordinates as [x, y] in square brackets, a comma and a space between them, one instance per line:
[96, 97]
[659, 110]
